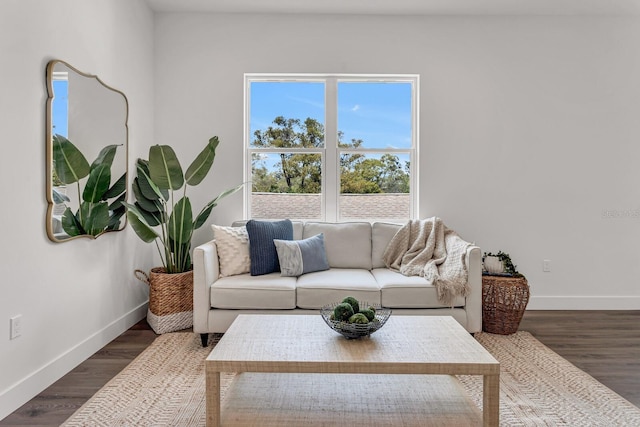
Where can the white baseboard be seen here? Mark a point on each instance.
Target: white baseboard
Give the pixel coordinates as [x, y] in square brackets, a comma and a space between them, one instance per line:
[584, 303]
[29, 387]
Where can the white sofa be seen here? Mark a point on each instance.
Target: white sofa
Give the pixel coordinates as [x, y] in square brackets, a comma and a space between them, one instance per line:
[354, 252]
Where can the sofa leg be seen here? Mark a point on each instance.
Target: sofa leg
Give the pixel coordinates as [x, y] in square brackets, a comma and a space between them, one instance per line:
[205, 339]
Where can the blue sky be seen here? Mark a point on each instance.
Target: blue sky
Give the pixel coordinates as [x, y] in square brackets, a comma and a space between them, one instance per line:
[377, 113]
[60, 107]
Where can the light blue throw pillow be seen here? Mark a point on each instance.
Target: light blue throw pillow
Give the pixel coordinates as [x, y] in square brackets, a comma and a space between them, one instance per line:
[298, 257]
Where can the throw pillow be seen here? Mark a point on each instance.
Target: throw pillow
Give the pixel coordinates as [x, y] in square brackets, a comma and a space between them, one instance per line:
[299, 257]
[233, 249]
[262, 250]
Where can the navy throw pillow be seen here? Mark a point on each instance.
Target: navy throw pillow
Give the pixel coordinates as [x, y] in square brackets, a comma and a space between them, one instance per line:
[262, 250]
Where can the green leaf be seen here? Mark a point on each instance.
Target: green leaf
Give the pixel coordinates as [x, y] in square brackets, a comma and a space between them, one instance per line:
[105, 157]
[97, 184]
[117, 188]
[148, 205]
[69, 163]
[200, 167]
[117, 203]
[70, 224]
[114, 218]
[144, 232]
[151, 218]
[203, 215]
[132, 208]
[164, 167]
[136, 219]
[58, 197]
[180, 226]
[148, 188]
[206, 211]
[95, 217]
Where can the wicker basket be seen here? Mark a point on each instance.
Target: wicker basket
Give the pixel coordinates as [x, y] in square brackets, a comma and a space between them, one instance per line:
[504, 300]
[170, 299]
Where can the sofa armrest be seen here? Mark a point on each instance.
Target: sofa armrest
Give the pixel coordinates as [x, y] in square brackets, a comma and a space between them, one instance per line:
[473, 305]
[206, 271]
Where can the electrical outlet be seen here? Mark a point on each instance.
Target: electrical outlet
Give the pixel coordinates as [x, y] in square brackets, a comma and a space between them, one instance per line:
[15, 326]
[546, 265]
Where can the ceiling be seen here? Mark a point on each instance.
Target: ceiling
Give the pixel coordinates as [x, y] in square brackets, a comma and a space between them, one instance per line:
[404, 7]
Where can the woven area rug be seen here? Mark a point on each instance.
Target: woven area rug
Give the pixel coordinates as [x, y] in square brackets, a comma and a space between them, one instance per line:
[164, 386]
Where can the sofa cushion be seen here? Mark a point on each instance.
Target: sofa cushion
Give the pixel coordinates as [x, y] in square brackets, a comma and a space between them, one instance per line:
[399, 291]
[381, 235]
[269, 291]
[297, 227]
[262, 250]
[298, 257]
[232, 244]
[348, 244]
[318, 289]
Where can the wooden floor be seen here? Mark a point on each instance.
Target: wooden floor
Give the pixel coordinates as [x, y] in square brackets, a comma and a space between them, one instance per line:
[606, 344]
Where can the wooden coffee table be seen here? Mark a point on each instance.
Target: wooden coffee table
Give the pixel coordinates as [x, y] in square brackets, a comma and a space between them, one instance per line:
[289, 366]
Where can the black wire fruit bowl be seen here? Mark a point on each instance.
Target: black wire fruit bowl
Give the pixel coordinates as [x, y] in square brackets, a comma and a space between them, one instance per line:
[355, 330]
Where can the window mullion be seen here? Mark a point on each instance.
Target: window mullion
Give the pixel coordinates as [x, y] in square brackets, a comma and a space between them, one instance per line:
[331, 170]
[415, 147]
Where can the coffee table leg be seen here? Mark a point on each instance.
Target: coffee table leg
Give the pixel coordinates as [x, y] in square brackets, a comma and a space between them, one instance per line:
[213, 398]
[491, 400]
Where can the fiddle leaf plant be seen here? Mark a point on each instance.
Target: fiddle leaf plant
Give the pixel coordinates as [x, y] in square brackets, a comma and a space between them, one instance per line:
[95, 214]
[160, 205]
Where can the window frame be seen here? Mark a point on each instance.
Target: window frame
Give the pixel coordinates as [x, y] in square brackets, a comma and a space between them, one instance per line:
[330, 154]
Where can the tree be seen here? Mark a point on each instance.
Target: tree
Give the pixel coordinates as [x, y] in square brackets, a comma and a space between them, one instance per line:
[302, 172]
[394, 179]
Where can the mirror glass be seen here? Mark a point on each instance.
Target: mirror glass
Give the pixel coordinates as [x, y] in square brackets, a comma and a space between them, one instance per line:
[87, 145]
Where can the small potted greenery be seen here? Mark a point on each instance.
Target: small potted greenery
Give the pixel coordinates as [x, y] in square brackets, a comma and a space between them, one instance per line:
[499, 263]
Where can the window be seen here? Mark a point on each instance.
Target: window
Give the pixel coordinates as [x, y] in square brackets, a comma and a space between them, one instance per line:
[60, 103]
[331, 147]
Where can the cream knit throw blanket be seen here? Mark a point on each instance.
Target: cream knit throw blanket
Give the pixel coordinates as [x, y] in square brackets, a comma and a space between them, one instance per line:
[429, 249]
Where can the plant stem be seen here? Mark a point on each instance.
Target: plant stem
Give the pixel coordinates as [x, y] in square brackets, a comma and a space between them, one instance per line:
[181, 257]
[165, 233]
[79, 203]
[164, 265]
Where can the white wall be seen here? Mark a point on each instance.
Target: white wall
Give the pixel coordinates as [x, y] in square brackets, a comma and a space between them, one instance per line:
[529, 126]
[528, 136]
[74, 297]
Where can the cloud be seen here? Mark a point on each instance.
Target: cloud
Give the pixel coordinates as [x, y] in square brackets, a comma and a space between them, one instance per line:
[355, 107]
[313, 103]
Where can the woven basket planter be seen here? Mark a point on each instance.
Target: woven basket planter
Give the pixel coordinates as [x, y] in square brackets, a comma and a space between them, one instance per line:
[504, 300]
[170, 299]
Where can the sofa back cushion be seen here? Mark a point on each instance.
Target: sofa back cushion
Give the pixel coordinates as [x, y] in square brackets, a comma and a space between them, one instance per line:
[381, 235]
[348, 244]
[297, 227]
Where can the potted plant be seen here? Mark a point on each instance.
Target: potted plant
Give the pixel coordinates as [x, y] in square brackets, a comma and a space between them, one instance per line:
[97, 211]
[160, 189]
[499, 263]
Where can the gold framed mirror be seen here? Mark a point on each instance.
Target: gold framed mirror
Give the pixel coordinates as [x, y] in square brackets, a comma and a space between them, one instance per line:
[87, 154]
